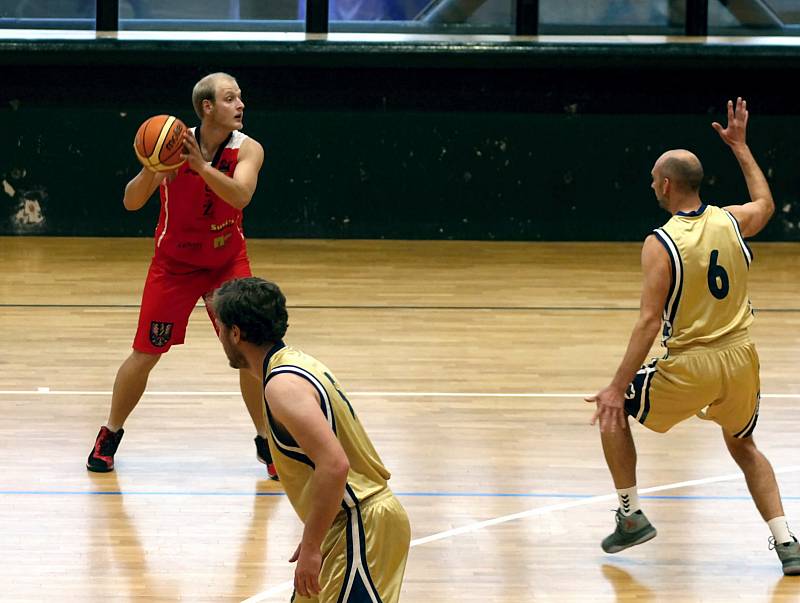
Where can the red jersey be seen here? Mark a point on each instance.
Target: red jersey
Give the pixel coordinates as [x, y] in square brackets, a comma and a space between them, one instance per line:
[196, 227]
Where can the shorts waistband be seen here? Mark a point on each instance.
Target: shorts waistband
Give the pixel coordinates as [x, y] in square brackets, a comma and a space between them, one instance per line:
[729, 340]
[380, 495]
[377, 497]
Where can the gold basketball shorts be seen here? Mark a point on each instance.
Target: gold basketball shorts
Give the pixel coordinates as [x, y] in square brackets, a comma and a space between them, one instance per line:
[364, 554]
[717, 384]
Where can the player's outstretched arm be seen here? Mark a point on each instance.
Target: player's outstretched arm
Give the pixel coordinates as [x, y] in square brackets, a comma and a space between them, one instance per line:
[141, 188]
[752, 216]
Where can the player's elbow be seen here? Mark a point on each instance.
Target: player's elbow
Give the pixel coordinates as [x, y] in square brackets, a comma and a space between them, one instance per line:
[239, 197]
[245, 196]
[131, 204]
[769, 204]
[339, 467]
[650, 323]
[766, 207]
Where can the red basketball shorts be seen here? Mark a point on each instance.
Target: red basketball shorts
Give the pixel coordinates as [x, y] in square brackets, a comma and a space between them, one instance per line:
[171, 293]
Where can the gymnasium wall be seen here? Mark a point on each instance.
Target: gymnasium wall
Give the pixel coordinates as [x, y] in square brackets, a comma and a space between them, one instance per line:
[416, 140]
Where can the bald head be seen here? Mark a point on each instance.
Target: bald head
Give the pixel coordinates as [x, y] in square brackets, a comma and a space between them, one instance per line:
[683, 169]
[206, 89]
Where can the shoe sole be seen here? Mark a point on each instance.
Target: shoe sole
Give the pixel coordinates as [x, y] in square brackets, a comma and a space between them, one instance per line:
[792, 570]
[642, 540]
[99, 469]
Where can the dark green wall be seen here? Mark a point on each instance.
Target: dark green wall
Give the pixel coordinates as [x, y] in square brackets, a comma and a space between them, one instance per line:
[517, 141]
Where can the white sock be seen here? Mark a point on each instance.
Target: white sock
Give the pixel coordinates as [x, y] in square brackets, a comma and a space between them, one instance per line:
[780, 530]
[628, 501]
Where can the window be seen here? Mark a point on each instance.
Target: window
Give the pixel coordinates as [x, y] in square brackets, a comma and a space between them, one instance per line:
[611, 17]
[754, 17]
[47, 14]
[421, 16]
[224, 15]
[595, 17]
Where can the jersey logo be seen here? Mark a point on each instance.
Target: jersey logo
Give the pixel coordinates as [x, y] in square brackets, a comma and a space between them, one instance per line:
[667, 332]
[160, 333]
[221, 240]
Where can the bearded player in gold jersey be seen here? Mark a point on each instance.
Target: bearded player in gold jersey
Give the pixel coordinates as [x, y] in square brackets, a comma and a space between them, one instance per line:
[695, 292]
[357, 535]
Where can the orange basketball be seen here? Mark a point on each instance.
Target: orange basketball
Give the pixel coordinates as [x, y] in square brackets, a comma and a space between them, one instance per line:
[159, 143]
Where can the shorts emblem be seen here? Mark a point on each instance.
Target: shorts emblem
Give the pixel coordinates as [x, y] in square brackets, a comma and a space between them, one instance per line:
[160, 333]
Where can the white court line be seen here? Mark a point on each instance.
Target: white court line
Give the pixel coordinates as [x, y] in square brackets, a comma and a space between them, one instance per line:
[74, 392]
[46, 391]
[479, 525]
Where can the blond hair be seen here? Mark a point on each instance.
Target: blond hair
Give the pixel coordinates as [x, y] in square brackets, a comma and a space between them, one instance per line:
[206, 89]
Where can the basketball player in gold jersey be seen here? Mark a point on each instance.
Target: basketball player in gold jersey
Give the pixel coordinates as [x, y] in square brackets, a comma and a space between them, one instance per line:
[357, 535]
[695, 291]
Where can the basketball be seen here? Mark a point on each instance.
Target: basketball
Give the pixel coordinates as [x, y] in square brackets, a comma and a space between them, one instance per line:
[158, 143]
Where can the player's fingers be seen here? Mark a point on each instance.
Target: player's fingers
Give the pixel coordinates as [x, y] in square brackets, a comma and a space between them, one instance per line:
[611, 418]
[315, 584]
[309, 583]
[301, 586]
[595, 416]
[189, 141]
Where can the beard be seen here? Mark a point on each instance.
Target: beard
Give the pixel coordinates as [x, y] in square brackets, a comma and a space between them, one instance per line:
[236, 359]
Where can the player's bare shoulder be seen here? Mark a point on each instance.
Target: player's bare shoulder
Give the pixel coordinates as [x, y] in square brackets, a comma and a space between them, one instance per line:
[251, 149]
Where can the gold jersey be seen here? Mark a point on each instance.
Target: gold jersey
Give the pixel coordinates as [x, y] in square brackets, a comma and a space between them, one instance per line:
[367, 475]
[708, 297]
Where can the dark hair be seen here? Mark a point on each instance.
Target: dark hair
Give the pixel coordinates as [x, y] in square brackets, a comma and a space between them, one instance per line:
[254, 305]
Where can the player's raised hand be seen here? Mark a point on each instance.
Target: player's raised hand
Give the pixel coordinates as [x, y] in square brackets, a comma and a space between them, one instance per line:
[191, 152]
[734, 133]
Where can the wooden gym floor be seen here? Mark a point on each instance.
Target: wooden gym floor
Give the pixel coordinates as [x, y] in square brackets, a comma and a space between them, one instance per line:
[466, 361]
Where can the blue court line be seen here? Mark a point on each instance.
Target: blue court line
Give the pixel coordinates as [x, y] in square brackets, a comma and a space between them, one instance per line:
[409, 494]
[405, 307]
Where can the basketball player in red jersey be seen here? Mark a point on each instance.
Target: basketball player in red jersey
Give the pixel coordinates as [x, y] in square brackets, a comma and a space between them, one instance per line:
[199, 244]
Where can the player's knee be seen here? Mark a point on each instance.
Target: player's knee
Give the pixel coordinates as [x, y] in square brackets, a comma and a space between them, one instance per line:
[143, 361]
[742, 450]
